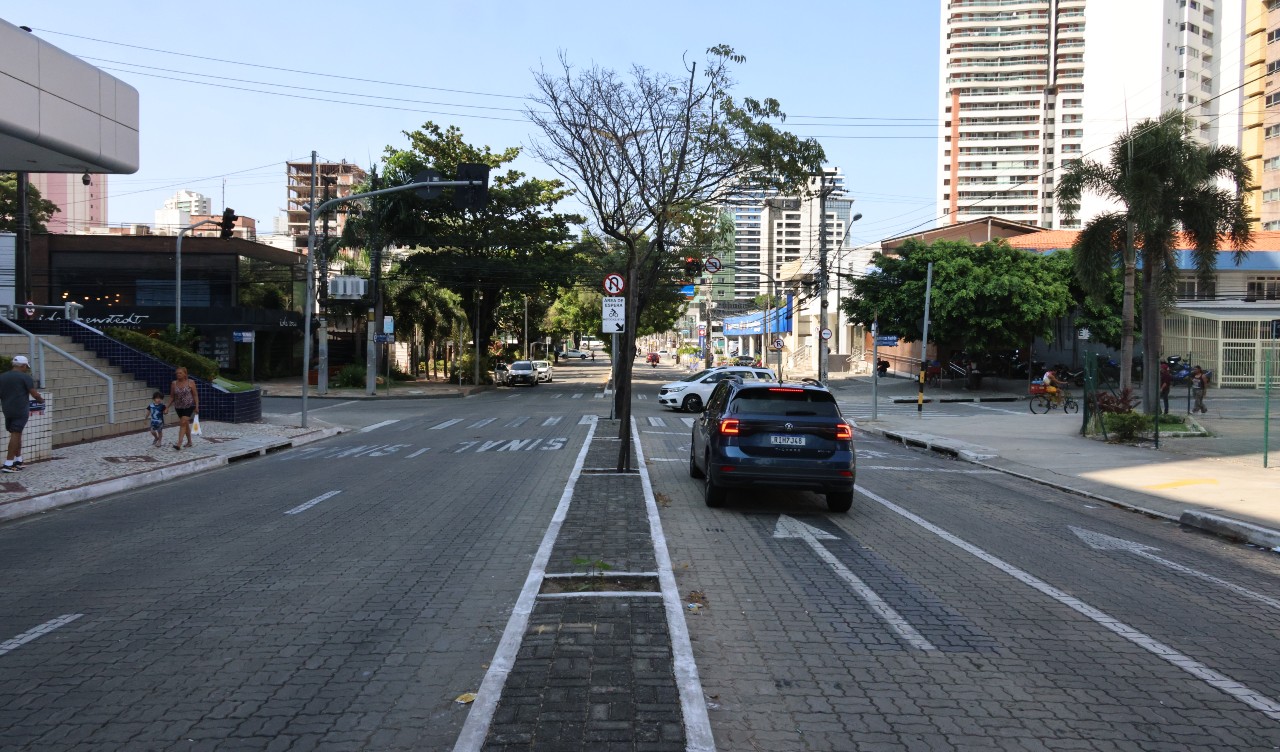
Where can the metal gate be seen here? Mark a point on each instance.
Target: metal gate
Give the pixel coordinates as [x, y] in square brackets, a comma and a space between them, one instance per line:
[1239, 364]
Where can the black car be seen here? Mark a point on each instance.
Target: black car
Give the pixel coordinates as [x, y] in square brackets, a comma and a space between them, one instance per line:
[788, 435]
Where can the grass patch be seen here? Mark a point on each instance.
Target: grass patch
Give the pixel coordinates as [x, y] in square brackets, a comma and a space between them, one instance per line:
[233, 386]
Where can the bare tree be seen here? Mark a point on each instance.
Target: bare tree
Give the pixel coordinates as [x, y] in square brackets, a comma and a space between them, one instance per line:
[645, 149]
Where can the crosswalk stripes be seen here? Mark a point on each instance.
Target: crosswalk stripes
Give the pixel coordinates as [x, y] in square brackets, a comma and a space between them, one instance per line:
[688, 421]
[518, 422]
[656, 422]
[577, 396]
[484, 422]
[586, 420]
[446, 424]
[554, 419]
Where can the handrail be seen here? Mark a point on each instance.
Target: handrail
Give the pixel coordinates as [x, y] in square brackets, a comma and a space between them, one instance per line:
[39, 345]
[33, 349]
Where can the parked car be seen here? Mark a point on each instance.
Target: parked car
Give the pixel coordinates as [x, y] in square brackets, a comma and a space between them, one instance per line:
[544, 370]
[691, 392]
[522, 372]
[580, 355]
[744, 360]
[788, 435]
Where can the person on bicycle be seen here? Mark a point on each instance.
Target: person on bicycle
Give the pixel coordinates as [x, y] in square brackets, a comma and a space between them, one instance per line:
[1051, 384]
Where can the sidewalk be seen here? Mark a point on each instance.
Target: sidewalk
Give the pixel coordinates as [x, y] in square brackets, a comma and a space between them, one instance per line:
[1215, 483]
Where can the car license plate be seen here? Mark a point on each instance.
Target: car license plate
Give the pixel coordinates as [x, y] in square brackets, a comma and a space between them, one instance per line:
[786, 440]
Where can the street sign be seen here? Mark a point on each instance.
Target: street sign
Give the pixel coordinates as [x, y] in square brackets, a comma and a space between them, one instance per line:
[777, 343]
[613, 283]
[702, 331]
[384, 339]
[242, 336]
[613, 317]
[388, 325]
[712, 265]
[825, 333]
[888, 340]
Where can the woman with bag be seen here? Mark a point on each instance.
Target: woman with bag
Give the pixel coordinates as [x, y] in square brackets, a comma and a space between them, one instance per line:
[185, 401]
[1199, 382]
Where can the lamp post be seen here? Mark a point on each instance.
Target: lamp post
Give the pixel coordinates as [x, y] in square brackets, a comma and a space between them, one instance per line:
[824, 303]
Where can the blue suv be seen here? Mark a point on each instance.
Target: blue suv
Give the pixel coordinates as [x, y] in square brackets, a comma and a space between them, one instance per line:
[788, 435]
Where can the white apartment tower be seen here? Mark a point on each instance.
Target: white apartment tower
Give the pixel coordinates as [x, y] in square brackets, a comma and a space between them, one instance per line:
[1028, 86]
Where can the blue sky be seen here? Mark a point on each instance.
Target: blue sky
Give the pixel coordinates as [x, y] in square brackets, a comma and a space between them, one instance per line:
[860, 76]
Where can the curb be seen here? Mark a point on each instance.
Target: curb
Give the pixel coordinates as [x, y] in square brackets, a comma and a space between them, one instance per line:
[1225, 527]
[456, 394]
[96, 490]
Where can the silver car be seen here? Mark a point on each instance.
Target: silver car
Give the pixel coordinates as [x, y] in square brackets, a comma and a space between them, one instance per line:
[543, 369]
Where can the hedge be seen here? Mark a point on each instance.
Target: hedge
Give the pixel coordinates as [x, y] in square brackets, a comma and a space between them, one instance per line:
[197, 365]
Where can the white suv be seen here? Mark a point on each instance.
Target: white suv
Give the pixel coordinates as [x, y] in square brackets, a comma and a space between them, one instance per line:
[691, 392]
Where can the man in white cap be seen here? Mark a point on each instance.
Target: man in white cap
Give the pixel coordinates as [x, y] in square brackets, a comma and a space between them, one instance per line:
[16, 388]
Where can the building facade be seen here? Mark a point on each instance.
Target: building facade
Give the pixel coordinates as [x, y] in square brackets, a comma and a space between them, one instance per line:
[81, 200]
[341, 178]
[1027, 86]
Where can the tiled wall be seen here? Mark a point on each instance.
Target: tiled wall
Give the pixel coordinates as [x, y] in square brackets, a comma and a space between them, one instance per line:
[37, 437]
[215, 403]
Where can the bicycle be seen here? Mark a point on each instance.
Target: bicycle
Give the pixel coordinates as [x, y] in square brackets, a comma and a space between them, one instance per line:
[1042, 403]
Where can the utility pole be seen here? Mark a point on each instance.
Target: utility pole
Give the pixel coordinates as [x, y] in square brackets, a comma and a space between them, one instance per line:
[375, 280]
[322, 329]
[22, 257]
[822, 274]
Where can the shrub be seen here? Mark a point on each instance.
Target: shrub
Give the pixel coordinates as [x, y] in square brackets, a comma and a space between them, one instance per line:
[197, 365]
[6, 363]
[1124, 401]
[1127, 426]
[352, 375]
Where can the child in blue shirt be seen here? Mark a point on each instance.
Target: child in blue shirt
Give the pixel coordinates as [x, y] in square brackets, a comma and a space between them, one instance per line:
[156, 411]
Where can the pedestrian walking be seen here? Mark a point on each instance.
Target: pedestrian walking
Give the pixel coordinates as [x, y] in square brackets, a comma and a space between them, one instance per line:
[1166, 383]
[185, 401]
[1199, 382]
[17, 391]
[156, 411]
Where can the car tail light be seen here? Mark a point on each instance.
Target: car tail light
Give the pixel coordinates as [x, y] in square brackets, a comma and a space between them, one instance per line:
[843, 431]
[784, 389]
[729, 427]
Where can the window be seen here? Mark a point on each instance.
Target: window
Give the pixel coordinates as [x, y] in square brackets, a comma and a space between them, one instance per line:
[1271, 165]
[1273, 35]
[1273, 66]
[1189, 288]
[1272, 194]
[1273, 99]
[1272, 225]
[1262, 287]
[1272, 131]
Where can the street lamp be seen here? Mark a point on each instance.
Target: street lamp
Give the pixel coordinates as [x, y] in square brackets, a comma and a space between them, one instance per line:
[824, 303]
[177, 274]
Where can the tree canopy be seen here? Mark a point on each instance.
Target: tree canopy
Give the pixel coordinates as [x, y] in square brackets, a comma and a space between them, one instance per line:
[984, 297]
[39, 209]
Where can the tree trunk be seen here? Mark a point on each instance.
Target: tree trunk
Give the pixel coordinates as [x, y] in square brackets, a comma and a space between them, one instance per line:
[622, 367]
[1126, 315]
[1151, 336]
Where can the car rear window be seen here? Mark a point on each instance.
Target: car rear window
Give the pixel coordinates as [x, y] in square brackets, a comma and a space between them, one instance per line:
[785, 401]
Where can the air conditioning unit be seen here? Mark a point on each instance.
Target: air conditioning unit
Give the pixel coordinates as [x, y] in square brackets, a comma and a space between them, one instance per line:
[348, 287]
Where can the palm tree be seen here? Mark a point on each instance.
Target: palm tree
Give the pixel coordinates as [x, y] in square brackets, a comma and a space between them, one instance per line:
[1165, 181]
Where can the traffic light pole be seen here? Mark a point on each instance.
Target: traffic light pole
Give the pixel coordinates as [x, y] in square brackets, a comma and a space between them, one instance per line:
[313, 213]
[177, 274]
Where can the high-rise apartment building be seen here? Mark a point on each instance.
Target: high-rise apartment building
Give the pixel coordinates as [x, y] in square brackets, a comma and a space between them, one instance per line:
[341, 179]
[81, 199]
[1028, 86]
[178, 211]
[1260, 140]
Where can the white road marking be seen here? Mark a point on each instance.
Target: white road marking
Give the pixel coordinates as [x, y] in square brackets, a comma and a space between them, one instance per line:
[693, 702]
[326, 407]
[978, 406]
[518, 422]
[304, 507]
[476, 728]
[554, 419]
[790, 527]
[642, 396]
[584, 420]
[668, 433]
[37, 632]
[556, 396]
[604, 594]
[446, 424]
[601, 395]
[689, 421]
[376, 426]
[483, 422]
[415, 454]
[1102, 542]
[657, 422]
[929, 469]
[1252, 698]
[577, 396]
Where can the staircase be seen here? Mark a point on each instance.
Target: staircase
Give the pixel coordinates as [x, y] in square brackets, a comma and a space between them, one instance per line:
[80, 396]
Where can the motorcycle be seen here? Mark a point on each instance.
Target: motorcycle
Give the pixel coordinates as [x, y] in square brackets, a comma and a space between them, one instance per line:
[1066, 374]
[1181, 372]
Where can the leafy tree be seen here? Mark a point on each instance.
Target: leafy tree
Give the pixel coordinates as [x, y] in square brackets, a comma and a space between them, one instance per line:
[984, 297]
[1101, 316]
[641, 149]
[1166, 181]
[39, 210]
[515, 245]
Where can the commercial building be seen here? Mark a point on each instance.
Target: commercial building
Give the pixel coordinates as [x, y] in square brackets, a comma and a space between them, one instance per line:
[1027, 86]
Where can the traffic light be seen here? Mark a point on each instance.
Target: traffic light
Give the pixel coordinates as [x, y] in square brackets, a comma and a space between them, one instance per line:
[692, 266]
[228, 222]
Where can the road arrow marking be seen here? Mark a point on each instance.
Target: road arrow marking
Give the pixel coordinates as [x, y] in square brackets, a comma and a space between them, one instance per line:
[37, 632]
[789, 527]
[1101, 542]
[1254, 699]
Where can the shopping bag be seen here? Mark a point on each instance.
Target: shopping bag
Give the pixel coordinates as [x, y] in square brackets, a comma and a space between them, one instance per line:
[195, 426]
